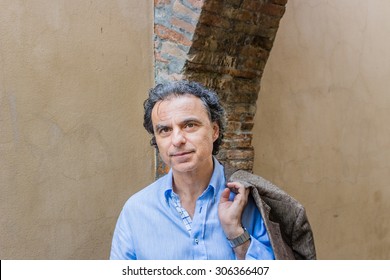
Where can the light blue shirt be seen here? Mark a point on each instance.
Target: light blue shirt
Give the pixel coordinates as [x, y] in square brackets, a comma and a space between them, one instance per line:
[150, 227]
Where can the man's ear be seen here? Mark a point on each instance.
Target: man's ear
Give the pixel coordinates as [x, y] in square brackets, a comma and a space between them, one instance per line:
[154, 143]
[215, 131]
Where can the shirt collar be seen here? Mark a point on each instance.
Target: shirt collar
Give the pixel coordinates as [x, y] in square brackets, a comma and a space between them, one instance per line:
[217, 181]
[167, 186]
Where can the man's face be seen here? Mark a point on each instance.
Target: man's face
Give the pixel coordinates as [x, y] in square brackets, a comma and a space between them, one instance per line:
[184, 133]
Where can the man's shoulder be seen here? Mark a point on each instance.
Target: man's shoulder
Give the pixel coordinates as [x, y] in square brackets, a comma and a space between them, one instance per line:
[148, 194]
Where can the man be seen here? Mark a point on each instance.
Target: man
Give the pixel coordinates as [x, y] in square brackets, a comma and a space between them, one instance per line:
[190, 213]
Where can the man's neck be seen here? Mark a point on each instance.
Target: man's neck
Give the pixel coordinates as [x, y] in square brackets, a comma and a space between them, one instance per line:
[190, 185]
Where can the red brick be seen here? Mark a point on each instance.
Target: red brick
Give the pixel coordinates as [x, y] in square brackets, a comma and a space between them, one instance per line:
[214, 20]
[253, 63]
[179, 8]
[196, 3]
[168, 34]
[162, 168]
[214, 6]
[240, 154]
[247, 74]
[234, 3]
[252, 5]
[257, 52]
[244, 15]
[267, 21]
[233, 126]
[161, 2]
[273, 10]
[279, 2]
[158, 57]
[247, 126]
[172, 49]
[238, 143]
[241, 97]
[186, 26]
[241, 109]
[242, 164]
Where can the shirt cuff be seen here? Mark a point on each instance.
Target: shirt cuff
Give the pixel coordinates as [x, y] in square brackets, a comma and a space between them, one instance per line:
[259, 251]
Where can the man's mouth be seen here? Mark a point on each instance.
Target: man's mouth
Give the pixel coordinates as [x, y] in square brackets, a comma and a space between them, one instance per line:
[179, 154]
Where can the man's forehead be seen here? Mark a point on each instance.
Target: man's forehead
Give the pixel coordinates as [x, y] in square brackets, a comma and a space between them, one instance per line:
[179, 102]
[182, 106]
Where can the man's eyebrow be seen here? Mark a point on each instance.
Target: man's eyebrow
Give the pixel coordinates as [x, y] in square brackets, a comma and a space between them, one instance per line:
[192, 119]
[160, 126]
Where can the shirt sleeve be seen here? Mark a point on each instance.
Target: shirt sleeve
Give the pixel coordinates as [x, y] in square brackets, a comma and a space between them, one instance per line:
[122, 244]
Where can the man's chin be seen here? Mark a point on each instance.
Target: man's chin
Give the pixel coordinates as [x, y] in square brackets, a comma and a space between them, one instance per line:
[183, 167]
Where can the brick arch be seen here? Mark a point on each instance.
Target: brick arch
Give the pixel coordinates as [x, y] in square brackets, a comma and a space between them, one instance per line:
[224, 44]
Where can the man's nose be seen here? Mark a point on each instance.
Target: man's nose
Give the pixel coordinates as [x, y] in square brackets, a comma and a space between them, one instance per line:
[178, 138]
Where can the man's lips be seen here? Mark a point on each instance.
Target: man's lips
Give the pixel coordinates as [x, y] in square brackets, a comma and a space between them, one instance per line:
[178, 154]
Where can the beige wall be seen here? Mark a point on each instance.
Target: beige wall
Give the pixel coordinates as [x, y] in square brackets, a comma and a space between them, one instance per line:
[322, 126]
[73, 76]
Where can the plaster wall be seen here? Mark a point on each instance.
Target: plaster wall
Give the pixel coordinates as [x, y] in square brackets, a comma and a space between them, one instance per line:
[73, 76]
[322, 125]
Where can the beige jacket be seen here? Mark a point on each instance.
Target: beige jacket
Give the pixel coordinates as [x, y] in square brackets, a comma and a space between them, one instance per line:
[284, 217]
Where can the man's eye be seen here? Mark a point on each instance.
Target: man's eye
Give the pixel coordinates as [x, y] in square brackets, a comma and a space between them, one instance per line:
[190, 126]
[164, 130]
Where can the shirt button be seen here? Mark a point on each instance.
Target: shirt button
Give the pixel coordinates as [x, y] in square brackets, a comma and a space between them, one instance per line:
[196, 241]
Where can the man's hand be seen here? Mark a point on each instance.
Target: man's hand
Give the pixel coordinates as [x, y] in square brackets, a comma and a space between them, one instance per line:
[230, 213]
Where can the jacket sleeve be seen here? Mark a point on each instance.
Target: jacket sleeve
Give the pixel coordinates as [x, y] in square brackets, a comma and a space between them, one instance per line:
[302, 237]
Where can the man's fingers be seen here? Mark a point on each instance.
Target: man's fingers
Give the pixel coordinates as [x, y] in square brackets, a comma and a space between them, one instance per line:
[242, 193]
[238, 188]
[233, 188]
[225, 196]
